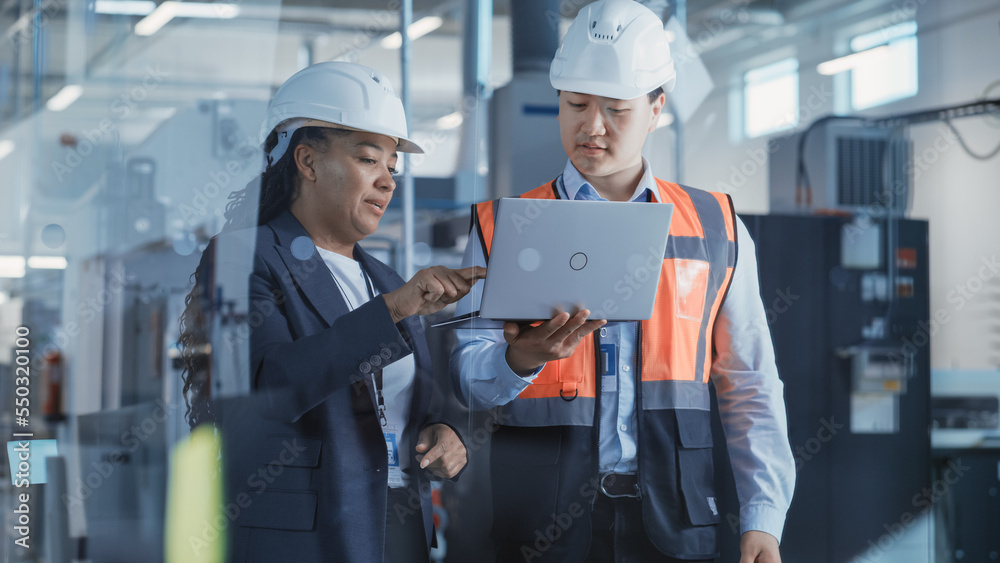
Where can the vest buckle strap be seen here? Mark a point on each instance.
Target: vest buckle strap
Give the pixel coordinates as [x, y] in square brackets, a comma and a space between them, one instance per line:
[562, 395]
[621, 485]
[568, 386]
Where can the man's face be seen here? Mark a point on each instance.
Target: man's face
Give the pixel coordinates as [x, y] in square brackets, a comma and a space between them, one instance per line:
[604, 136]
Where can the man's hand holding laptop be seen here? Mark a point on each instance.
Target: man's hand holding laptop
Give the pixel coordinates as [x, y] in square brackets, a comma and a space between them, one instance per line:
[530, 347]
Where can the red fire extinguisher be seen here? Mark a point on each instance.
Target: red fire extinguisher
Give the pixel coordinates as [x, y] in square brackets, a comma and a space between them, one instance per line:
[52, 382]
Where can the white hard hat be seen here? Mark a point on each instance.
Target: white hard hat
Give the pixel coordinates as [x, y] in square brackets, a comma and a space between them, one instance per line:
[339, 95]
[615, 49]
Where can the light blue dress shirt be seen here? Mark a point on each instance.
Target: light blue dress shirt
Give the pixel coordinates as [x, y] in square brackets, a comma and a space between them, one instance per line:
[744, 373]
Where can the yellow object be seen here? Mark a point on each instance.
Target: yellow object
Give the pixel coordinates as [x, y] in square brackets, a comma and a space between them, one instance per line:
[196, 524]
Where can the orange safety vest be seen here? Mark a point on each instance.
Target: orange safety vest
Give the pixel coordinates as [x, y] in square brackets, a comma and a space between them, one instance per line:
[675, 344]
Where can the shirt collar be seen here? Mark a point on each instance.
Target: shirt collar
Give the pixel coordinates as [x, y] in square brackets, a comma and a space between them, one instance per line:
[576, 187]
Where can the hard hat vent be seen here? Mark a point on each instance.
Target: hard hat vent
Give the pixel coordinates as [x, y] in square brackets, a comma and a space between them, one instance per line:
[606, 31]
[377, 79]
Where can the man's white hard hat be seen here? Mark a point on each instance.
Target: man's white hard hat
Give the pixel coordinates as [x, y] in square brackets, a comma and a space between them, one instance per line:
[615, 49]
[338, 95]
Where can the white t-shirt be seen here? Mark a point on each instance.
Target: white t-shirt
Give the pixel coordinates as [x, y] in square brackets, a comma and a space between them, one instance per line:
[397, 378]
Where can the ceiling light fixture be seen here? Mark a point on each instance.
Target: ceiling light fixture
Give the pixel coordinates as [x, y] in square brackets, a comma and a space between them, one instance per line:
[169, 10]
[124, 7]
[64, 97]
[417, 29]
[450, 121]
[836, 66]
[6, 147]
[160, 17]
[47, 262]
[11, 267]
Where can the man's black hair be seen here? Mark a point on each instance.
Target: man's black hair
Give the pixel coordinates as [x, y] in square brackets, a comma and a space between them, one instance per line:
[655, 94]
[652, 95]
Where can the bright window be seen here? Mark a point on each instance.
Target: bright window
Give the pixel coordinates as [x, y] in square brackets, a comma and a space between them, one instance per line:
[771, 98]
[890, 73]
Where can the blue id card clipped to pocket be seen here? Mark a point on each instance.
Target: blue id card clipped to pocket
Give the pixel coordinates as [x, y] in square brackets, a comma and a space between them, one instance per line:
[609, 368]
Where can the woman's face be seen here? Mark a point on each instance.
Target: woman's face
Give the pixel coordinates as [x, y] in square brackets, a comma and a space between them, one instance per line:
[345, 190]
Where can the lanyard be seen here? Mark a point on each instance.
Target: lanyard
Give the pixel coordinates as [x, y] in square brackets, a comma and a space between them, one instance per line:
[376, 374]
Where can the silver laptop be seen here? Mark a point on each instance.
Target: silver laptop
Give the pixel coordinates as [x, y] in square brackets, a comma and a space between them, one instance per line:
[557, 254]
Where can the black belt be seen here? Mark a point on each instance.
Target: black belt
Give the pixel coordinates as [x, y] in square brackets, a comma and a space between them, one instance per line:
[620, 485]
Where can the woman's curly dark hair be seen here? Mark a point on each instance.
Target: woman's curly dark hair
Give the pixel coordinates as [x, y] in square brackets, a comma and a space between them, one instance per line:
[277, 187]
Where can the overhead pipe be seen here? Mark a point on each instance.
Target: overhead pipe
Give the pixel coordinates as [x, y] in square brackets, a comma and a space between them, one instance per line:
[680, 12]
[405, 56]
[476, 56]
[38, 68]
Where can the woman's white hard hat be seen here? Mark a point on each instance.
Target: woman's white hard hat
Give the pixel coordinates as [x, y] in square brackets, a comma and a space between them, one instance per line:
[338, 95]
[615, 49]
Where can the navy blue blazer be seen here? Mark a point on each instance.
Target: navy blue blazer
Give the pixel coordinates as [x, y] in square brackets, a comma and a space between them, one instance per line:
[304, 456]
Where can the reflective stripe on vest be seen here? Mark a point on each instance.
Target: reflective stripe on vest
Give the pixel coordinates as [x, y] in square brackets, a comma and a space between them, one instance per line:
[676, 342]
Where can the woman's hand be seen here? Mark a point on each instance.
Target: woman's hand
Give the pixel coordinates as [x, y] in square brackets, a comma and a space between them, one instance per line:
[430, 290]
[442, 452]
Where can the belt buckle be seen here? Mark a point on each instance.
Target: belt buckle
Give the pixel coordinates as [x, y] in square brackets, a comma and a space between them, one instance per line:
[636, 495]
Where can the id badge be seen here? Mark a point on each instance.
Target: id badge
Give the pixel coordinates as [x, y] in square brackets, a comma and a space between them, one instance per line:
[392, 449]
[609, 368]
